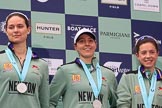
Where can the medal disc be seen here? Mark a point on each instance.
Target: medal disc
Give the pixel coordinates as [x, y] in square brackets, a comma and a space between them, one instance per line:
[97, 104]
[21, 88]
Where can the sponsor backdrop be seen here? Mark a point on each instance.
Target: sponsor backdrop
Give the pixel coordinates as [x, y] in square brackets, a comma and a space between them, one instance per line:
[117, 24]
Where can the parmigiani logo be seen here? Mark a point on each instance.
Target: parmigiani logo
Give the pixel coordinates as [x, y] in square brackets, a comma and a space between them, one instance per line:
[48, 28]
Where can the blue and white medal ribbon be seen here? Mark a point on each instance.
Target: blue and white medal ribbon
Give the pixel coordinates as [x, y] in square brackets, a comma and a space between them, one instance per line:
[95, 88]
[148, 99]
[21, 87]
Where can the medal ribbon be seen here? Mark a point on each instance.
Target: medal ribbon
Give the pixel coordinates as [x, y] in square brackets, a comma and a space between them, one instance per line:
[147, 99]
[26, 64]
[96, 90]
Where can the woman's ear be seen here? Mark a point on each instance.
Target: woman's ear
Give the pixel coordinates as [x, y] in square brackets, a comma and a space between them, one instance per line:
[137, 55]
[4, 28]
[75, 46]
[5, 31]
[29, 30]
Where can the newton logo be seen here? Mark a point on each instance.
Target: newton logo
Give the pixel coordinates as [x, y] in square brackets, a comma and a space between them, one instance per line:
[42, 1]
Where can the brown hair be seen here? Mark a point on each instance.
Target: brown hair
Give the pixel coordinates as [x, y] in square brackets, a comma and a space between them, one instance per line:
[146, 39]
[20, 15]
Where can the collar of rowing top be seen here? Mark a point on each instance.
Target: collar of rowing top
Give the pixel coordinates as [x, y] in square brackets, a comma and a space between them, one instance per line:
[93, 63]
[158, 71]
[34, 55]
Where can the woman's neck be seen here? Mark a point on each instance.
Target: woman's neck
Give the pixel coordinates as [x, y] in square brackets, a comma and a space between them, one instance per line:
[86, 60]
[151, 70]
[20, 51]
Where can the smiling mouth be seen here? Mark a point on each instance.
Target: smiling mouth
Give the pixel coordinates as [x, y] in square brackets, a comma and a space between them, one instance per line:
[16, 35]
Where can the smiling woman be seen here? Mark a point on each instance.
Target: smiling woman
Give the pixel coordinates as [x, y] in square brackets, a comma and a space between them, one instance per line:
[141, 87]
[89, 84]
[24, 76]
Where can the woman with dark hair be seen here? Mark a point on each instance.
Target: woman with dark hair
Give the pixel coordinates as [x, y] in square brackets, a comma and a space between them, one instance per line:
[23, 76]
[142, 88]
[84, 83]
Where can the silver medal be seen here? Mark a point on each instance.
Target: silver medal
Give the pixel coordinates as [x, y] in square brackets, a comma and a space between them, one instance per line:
[21, 88]
[97, 104]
